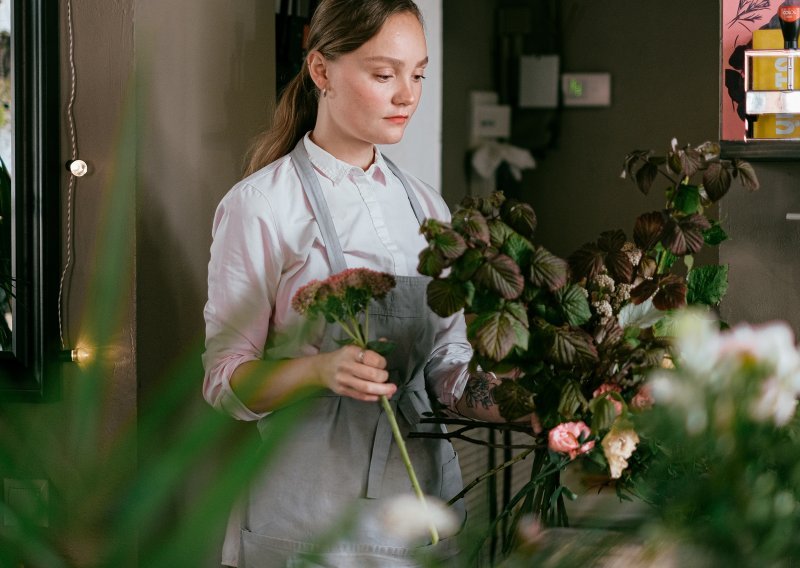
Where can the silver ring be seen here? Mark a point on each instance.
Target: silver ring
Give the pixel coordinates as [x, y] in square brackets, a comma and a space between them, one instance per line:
[360, 356]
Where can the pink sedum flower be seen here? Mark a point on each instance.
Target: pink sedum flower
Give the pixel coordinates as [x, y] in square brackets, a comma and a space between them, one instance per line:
[565, 438]
[608, 387]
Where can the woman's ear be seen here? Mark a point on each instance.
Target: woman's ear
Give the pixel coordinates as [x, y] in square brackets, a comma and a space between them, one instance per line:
[318, 69]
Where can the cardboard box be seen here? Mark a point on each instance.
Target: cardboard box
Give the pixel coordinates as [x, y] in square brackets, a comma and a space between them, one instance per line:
[770, 74]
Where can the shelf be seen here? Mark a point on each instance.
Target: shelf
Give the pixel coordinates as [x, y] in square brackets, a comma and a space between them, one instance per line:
[761, 150]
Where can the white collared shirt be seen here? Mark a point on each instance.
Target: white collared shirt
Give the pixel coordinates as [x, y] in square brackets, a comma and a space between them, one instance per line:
[267, 244]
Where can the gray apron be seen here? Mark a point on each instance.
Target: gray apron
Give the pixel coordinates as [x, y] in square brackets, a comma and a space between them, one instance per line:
[341, 461]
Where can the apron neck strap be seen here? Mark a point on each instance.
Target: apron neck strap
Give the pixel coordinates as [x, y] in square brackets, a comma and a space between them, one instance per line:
[320, 208]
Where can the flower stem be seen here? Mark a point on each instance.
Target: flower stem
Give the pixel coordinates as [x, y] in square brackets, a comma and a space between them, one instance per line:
[520, 456]
[398, 437]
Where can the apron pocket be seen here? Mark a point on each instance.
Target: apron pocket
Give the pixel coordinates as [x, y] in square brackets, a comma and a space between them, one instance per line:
[261, 551]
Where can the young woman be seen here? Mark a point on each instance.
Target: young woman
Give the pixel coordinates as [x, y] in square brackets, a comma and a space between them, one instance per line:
[320, 198]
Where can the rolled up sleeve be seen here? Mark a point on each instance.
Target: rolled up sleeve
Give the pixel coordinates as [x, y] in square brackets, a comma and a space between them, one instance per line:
[243, 275]
[447, 370]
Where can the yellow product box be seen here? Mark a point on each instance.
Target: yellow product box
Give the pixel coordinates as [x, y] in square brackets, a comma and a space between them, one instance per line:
[770, 74]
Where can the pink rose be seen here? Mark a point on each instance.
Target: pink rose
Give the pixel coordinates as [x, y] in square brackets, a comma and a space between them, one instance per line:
[608, 387]
[643, 399]
[565, 438]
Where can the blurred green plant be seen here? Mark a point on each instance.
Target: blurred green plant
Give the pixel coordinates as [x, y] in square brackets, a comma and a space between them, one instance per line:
[727, 480]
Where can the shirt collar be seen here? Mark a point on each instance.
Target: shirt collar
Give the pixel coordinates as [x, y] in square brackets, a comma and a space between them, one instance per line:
[336, 170]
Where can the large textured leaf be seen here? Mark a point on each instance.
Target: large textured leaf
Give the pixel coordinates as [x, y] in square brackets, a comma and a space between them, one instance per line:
[470, 223]
[691, 161]
[519, 216]
[649, 229]
[495, 334]
[617, 262]
[571, 400]
[645, 176]
[572, 347]
[501, 274]
[514, 400]
[716, 181]
[464, 268]
[449, 244]
[687, 199]
[518, 311]
[642, 316]
[431, 263]
[574, 304]
[685, 235]
[586, 262]
[498, 232]
[671, 294]
[548, 270]
[519, 249]
[644, 290]
[446, 297]
[707, 284]
[746, 174]
[431, 227]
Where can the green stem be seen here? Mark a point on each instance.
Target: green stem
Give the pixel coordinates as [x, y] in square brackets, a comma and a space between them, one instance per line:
[398, 437]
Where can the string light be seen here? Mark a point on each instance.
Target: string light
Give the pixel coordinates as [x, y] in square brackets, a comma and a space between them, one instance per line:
[78, 355]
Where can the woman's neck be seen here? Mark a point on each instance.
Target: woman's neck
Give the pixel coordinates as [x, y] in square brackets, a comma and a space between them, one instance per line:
[356, 153]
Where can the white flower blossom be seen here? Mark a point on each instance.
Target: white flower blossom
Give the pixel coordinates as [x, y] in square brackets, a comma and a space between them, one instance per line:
[603, 309]
[408, 518]
[633, 252]
[604, 282]
[618, 446]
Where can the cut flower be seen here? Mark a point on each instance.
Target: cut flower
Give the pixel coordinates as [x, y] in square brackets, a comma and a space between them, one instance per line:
[618, 445]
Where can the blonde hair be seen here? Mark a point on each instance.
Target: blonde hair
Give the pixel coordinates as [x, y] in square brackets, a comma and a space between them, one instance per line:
[337, 27]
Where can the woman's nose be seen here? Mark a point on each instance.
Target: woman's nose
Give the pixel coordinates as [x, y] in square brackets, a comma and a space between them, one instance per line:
[406, 93]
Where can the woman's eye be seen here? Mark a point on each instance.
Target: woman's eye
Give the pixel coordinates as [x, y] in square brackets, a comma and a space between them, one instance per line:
[419, 77]
[383, 77]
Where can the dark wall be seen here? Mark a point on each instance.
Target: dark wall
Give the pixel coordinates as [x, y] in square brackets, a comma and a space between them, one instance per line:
[663, 63]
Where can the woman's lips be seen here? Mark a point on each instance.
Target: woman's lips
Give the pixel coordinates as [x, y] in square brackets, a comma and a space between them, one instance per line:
[397, 119]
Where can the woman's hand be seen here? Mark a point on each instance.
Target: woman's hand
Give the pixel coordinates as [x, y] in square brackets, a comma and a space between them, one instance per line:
[356, 373]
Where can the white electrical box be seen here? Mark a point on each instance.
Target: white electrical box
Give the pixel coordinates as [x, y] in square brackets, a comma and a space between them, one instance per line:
[586, 89]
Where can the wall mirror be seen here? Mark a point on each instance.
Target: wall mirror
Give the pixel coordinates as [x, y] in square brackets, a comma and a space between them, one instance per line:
[29, 199]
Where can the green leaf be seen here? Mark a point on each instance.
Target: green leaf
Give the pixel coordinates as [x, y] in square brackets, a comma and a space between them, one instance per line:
[603, 413]
[520, 217]
[572, 347]
[431, 227]
[518, 311]
[707, 284]
[431, 263]
[496, 334]
[574, 304]
[446, 297]
[499, 232]
[519, 249]
[449, 244]
[514, 400]
[464, 268]
[716, 181]
[687, 199]
[548, 270]
[715, 234]
[501, 274]
[571, 400]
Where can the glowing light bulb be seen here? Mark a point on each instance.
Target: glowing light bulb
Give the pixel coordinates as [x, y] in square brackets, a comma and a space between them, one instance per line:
[80, 355]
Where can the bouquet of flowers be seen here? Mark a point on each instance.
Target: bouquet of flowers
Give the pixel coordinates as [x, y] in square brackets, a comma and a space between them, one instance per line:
[577, 336]
[727, 482]
[344, 299]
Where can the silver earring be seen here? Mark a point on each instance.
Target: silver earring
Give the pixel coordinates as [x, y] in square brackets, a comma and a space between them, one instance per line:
[324, 93]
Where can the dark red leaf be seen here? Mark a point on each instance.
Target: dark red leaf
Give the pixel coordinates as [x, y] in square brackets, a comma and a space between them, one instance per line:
[747, 175]
[470, 223]
[519, 216]
[716, 181]
[501, 274]
[548, 270]
[648, 229]
[671, 294]
[644, 290]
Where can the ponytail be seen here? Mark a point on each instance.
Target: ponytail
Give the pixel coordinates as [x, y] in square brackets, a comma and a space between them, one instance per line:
[295, 115]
